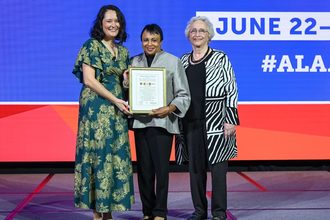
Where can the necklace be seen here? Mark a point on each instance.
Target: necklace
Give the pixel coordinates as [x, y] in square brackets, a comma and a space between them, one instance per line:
[112, 48]
[197, 61]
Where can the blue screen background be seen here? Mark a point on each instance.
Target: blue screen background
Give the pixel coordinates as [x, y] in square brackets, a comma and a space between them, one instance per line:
[39, 42]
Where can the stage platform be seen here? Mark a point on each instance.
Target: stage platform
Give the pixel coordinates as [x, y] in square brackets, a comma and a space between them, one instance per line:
[251, 196]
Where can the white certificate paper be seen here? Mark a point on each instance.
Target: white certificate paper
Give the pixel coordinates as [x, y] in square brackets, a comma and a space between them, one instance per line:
[147, 89]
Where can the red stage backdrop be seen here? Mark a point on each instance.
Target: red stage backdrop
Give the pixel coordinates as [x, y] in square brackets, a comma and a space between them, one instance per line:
[40, 133]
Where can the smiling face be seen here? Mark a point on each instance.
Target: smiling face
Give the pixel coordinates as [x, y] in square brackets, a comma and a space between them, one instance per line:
[110, 25]
[151, 43]
[198, 34]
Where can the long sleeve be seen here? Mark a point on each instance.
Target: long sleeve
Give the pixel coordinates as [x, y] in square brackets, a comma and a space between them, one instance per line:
[231, 91]
[181, 93]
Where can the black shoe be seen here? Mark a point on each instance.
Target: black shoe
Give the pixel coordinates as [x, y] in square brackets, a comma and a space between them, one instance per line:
[165, 218]
[194, 217]
[219, 218]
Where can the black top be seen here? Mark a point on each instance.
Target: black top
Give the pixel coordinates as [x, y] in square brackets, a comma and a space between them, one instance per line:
[196, 75]
[150, 59]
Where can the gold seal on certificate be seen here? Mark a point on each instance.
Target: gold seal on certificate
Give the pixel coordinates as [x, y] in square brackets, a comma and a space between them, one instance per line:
[147, 88]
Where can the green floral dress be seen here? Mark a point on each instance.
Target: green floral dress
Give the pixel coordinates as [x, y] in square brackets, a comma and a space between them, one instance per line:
[103, 166]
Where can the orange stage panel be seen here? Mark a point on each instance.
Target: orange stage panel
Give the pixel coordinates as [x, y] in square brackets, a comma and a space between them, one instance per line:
[40, 133]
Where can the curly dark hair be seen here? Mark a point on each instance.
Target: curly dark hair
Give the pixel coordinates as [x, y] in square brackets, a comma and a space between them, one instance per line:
[97, 30]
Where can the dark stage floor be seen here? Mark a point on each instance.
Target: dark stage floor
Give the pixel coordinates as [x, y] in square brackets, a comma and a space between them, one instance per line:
[251, 195]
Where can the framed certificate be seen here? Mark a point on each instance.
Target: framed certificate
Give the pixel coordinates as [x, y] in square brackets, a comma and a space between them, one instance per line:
[147, 88]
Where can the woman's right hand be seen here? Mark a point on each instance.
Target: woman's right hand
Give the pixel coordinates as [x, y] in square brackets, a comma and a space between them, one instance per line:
[123, 106]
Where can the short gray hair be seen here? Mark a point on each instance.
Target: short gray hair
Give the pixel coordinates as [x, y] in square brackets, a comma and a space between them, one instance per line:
[207, 22]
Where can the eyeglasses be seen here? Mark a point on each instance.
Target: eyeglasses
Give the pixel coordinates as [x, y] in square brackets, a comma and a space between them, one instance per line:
[200, 31]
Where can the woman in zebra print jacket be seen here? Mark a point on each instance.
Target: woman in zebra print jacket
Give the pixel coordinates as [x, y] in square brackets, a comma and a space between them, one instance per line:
[208, 128]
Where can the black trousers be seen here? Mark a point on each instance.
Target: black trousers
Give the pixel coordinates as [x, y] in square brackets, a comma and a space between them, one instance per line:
[153, 151]
[195, 137]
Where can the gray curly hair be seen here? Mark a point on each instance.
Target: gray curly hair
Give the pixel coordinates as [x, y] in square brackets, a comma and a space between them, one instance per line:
[207, 22]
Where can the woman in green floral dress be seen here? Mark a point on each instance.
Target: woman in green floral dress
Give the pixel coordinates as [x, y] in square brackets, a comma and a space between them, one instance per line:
[103, 166]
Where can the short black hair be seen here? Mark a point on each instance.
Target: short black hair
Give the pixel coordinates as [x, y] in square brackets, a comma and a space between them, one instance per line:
[153, 29]
[97, 29]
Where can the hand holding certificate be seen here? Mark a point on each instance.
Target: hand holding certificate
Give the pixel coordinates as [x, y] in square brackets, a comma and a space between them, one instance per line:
[164, 111]
[147, 89]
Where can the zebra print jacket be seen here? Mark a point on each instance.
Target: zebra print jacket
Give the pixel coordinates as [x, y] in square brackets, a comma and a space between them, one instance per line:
[221, 107]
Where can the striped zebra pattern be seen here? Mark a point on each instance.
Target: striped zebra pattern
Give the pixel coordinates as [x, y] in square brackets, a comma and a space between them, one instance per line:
[181, 151]
[221, 107]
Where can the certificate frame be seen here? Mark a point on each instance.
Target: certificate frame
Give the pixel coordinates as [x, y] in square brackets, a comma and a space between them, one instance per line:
[147, 89]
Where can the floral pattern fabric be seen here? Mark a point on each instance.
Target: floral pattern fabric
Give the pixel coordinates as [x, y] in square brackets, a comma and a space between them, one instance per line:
[103, 166]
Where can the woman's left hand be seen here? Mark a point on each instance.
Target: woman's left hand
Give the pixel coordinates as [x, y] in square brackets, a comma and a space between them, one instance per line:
[229, 130]
[126, 77]
[161, 112]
